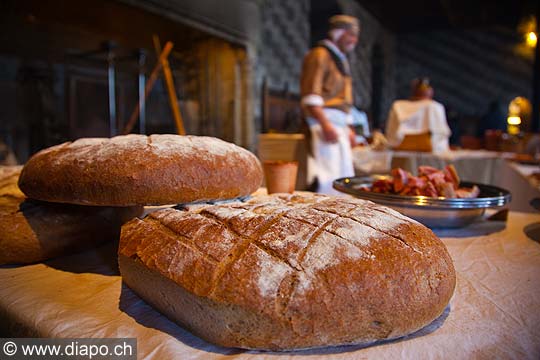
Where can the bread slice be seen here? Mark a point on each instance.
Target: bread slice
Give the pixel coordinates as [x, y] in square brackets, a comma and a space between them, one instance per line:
[288, 272]
[32, 231]
[141, 170]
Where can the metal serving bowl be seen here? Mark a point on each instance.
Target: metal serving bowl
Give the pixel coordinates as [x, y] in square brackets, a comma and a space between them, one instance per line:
[434, 212]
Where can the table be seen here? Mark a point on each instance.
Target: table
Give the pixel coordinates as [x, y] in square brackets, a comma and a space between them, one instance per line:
[527, 171]
[472, 165]
[481, 166]
[494, 312]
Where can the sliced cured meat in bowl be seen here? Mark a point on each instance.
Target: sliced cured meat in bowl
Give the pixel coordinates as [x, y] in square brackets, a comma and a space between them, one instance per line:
[435, 203]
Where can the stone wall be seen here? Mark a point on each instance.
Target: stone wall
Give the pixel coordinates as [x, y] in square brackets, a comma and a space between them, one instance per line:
[282, 43]
[285, 38]
[372, 64]
[467, 68]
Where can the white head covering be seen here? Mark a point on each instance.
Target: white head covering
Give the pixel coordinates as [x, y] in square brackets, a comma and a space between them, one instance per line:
[345, 22]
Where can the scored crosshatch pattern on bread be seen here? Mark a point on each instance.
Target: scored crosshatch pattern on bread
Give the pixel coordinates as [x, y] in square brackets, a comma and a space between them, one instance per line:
[315, 270]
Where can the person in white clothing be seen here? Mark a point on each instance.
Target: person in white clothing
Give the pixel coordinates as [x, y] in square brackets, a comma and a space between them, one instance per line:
[419, 115]
[327, 99]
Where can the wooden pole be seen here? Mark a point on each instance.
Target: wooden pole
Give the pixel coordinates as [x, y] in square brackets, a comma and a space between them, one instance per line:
[149, 85]
[173, 100]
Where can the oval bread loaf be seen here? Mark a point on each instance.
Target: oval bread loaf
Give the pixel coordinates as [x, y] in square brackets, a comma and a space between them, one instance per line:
[141, 170]
[32, 231]
[289, 272]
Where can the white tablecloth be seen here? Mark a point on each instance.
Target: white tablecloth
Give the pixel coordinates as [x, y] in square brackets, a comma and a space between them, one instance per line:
[527, 172]
[481, 166]
[494, 313]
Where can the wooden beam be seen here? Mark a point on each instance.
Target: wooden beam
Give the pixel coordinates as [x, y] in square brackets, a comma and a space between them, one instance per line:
[173, 100]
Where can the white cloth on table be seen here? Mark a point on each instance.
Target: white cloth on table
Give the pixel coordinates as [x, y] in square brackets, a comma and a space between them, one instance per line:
[369, 161]
[492, 315]
[416, 117]
[332, 160]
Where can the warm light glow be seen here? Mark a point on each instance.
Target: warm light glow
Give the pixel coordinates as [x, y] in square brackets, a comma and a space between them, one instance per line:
[513, 108]
[513, 124]
[514, 120]
[513, 129]
[531, 39]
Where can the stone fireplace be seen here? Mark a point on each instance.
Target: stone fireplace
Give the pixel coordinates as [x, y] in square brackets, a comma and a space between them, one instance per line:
[56, 72]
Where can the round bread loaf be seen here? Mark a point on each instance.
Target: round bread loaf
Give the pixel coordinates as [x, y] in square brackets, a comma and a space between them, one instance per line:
[141, 170]
[32, 231]
[289, 272]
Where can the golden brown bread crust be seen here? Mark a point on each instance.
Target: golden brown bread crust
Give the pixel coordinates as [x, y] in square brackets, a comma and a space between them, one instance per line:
[141, 170]
[9, 175]
[32, 231]
[289, 271]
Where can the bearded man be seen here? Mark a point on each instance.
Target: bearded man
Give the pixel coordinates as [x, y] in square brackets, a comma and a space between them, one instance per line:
[327, 98]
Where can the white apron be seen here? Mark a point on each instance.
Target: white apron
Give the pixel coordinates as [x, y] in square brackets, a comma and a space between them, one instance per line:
[332, 160]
